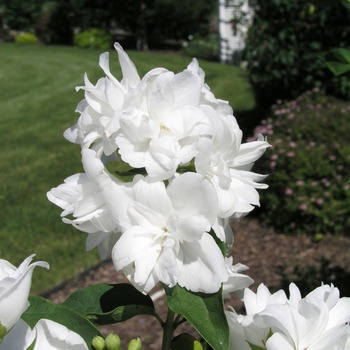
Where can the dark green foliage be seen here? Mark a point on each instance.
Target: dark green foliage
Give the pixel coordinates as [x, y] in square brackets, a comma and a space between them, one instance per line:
[152, 21]
[19, 14]
[95, 13]
[308, 163]
[308, 278]
[158, 20]
[60, 26]
[286, 44]
[93, 39]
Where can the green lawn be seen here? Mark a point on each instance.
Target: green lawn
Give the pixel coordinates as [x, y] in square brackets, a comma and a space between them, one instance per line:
[37, 103]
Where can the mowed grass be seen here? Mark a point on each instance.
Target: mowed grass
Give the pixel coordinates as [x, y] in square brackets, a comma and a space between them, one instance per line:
[37, 103]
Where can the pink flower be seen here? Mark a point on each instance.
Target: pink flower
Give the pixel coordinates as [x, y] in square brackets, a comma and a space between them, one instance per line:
[319, 201]
[274, 156]
[291, 116]
[290, 154]
[272, 165]
[303, 207]
[346, 187]
[299, 183]
[292, 144]
[288, 191]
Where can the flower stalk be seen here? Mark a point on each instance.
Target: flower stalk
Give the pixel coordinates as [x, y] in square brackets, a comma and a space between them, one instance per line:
[168, 330]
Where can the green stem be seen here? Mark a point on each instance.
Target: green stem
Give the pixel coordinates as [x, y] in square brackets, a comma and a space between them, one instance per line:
[168, 330]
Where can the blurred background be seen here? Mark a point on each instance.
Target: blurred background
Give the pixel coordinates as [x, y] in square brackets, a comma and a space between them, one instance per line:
[283, 66]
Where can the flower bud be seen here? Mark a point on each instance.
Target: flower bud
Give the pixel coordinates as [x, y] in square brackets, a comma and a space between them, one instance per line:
[3, 332]
[113, 342]
[98, 343]
[135, 344]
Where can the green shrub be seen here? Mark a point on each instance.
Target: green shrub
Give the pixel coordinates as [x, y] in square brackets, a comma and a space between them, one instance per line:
[285, 47]
[205, 48]
[308, 163]
[93, 39]
[26, 38]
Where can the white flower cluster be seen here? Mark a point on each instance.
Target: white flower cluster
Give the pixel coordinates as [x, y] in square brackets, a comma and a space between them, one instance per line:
[319, 321]
[15, 334]
[193, 174]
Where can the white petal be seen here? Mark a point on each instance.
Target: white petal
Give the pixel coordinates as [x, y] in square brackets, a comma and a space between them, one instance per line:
[130, 76]
[192, 196]
[161, 159]
[20, 337]
[54, 336]
[203, 267]
[188, 229]
[279, 341]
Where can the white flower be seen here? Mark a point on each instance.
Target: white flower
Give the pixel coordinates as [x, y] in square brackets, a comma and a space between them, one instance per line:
[47, 334]
[236, 282]
[15, 286]
[251, 327]
[81, 196]
[162, 122]
[166, 233]
[227, 163]
[102, 105]
[317, 322]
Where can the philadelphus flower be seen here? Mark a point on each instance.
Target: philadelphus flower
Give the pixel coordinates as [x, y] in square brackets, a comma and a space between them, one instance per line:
[46, 335]
[318, 321]
[81, 196]
[166, 233]
[166, 120]
[15, 286]
[193, 174]
[236, 282]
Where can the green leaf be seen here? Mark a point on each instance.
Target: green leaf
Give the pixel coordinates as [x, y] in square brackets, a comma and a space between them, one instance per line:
[42, 308]
[120, 314]
[219, 242]
[338, 68]
[204, 311]
[338, 61]
[123, 171]
[255, 347]
[110, 303]
[31, 346]
[106, 297]
[185, 341]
